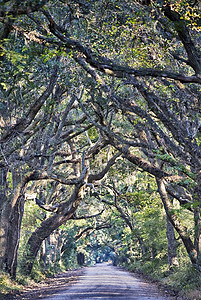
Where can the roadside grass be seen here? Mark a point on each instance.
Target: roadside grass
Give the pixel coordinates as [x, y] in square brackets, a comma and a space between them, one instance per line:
[184, 280]
[7, 285]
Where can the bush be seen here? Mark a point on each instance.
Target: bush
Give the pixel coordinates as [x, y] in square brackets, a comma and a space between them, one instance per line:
[186, 278]
[7, 285]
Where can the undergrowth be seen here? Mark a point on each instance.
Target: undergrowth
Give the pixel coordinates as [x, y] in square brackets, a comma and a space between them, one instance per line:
[7, 285]
[184, 279]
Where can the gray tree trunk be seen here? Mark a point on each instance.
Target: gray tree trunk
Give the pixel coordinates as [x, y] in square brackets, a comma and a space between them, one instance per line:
[11, 212]
[182, 231]
[172, 245]
[4, 216]
[13, 236]
[48, 226]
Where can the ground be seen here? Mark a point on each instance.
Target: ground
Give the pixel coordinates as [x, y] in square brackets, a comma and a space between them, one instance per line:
[102, 281]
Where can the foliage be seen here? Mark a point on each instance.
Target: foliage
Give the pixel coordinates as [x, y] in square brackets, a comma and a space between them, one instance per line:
[7, 285]
[100, 134]
[185, 279]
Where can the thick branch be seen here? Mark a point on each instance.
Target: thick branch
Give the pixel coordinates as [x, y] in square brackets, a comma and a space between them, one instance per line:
[91, 229]
[104, 64]
[8, 15]
[111, 162]
[16, 10]
[130, 106]
[46, 206]
[183, 199]
[184, 35]
[74, 217]
[24, 122]
[140, 162]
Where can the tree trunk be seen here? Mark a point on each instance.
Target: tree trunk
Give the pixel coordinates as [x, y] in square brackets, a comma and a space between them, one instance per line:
[182, 230]
[48, 226]
[172, 245]
[43, 255]
[142, 245]
[14, 222]
[153, 251]
[197, 218]
[80, 259]
[13, 238]
[11, 212]
[4, 216]
[36, 239]
[5, 211]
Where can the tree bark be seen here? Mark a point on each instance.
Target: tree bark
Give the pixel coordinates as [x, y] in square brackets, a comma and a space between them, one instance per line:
[4, 216]
[182, 230]
[172, 245]
[12, 208]
[16, 210]
[48, 226]
[197, 221]
[13, 238]
[43, 255]
[5, 211]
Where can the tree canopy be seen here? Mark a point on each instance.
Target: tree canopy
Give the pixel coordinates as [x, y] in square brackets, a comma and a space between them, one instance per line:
[100, 125]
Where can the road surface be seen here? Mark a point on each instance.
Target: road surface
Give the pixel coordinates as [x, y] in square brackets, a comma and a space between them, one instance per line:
[104, 281]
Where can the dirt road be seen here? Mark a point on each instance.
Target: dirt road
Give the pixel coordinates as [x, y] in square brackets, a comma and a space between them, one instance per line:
[104, 281]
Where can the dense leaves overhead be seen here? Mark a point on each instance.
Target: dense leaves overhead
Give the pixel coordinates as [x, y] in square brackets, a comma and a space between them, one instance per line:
[92, 93]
